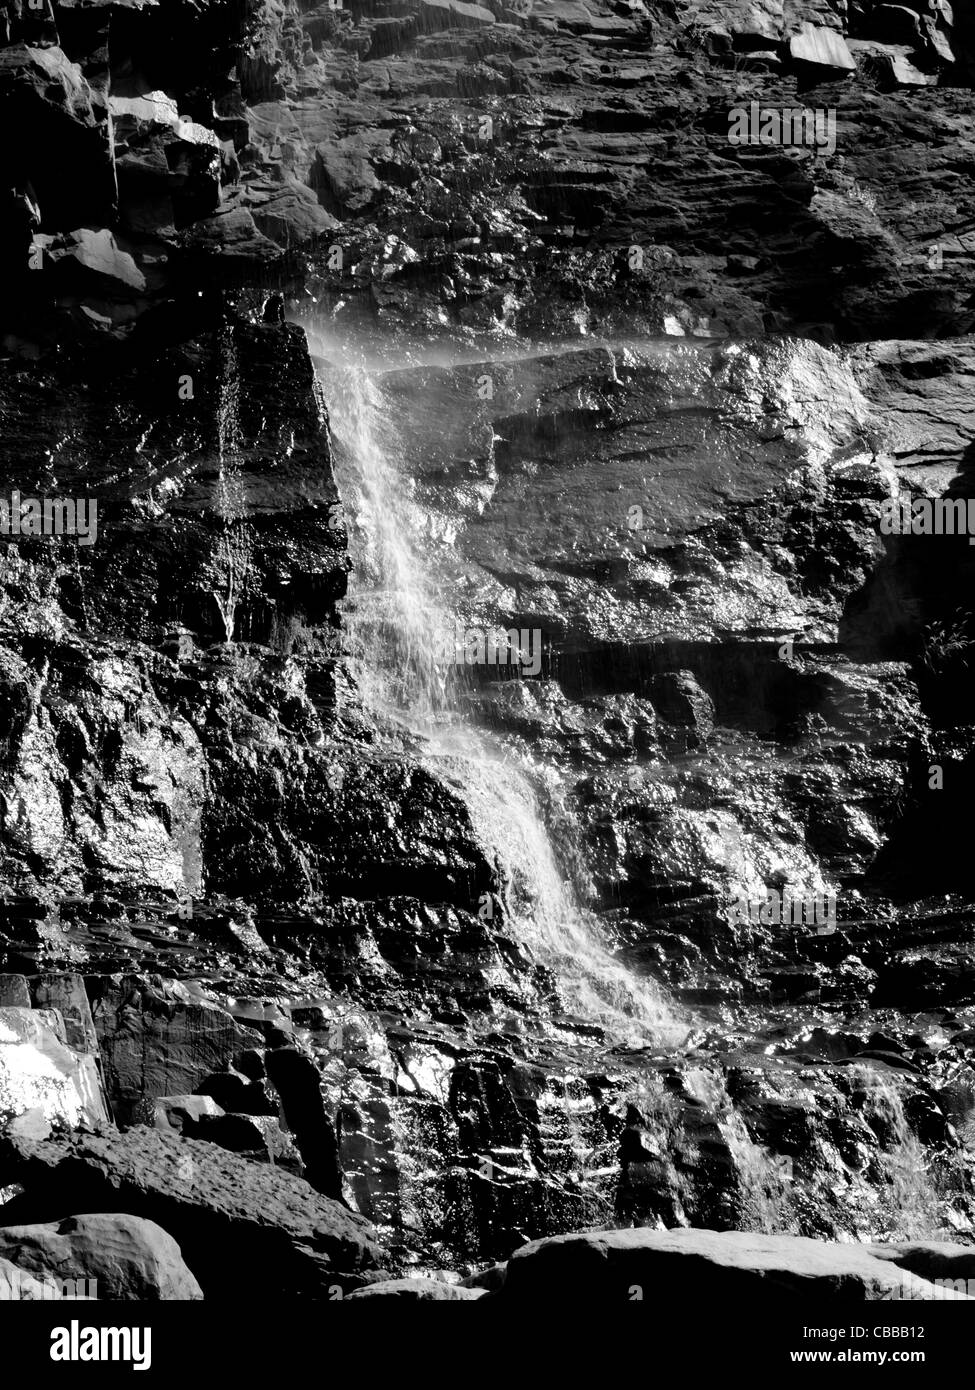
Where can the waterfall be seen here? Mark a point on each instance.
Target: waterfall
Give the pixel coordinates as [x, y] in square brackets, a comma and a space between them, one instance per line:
[911, 1201]
[397, 617]
[233, 551]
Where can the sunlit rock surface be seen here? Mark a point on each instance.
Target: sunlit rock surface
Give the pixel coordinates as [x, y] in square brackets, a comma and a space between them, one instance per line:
[42, 1081]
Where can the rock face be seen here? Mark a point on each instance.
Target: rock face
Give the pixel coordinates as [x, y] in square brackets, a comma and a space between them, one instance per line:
[614, 326]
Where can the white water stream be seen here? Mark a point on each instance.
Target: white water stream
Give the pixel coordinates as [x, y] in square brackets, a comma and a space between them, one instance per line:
[397, 618]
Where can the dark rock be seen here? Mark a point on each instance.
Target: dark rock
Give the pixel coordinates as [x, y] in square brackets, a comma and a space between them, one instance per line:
[297, 1081]
[222, 1210]
[236, 1095]
[259, 1137]
[176, 1112]
[14, 992]
[155, 1043]
[67, 994]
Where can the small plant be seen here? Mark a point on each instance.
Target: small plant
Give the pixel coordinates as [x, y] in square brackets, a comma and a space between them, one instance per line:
[947, 642]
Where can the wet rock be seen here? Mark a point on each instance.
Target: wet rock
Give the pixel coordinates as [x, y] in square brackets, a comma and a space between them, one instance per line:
[677, 698]
[221, 1209]
[297, 1081]
[290, 215]
[127, 1258]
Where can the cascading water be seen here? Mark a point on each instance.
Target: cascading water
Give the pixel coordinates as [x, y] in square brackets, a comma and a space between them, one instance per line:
[910, 1195]
[233, 554]
[397, 621]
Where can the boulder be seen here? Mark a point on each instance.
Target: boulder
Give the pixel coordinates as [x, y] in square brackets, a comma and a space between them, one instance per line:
[228, 1215]
[168, 166]
[609, 1266]
[126, 1257]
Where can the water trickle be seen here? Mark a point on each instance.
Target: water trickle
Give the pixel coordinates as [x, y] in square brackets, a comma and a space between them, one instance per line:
[763, 1180]
[233, 551]
[910, 1201]
[397, 618]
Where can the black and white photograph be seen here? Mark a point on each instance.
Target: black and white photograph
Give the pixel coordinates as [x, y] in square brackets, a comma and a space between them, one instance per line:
[487, 684]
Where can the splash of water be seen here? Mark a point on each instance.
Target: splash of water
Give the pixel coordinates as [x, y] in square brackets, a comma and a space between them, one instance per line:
[396, 616]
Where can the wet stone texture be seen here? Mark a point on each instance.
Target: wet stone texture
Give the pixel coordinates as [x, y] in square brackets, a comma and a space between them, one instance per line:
[288, 975]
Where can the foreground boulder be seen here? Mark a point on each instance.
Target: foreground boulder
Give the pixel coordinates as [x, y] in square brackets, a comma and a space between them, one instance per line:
[646, 1265]
[115, 1256]
[233, 1220]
